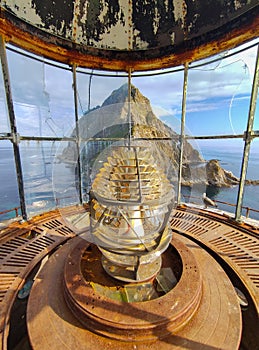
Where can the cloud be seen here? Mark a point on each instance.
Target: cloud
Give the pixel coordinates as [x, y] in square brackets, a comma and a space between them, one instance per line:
[225, 79]
[43, 91]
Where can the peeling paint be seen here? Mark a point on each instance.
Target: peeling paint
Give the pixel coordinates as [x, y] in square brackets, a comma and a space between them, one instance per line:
[111, 26]
[238, 4]
[102, 16]
[137, 42]
[24, 9]
[81, 24]
[56, 21]
[105, 12]
[172, 38]
[76, 14]
[117, 37]
[179, 12]
[127, 24]
[156, 21]
[192, 24]
[166, 4]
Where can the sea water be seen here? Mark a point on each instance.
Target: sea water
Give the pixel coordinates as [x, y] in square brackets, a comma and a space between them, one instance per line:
[8, 187]
[38, 163]
[230, 158]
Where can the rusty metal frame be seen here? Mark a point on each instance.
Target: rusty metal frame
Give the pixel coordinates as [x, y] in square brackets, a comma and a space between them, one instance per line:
[14, 134]
[182, 137]
[135, 74]
[240, 30]
[79, 175]
[129, 106]
[14, 137]
[248, 139]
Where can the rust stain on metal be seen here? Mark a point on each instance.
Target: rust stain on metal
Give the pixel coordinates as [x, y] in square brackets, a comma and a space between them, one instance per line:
[146, 48]
[133, 321]
[216, 323]
[101, 24]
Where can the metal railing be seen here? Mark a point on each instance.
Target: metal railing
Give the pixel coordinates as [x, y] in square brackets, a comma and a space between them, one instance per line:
[17, 210]
[244, 207]
[247, 209]
[15, 137]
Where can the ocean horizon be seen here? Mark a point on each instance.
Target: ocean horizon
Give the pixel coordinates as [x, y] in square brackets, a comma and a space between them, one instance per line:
[38, 168]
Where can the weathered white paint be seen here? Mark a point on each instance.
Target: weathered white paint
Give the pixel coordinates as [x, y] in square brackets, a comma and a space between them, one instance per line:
[76, 14]
[138, 43]
[156, 21]
[117, 37]
[238, 4]
[195, 17]
[23, 9]
[179, 11]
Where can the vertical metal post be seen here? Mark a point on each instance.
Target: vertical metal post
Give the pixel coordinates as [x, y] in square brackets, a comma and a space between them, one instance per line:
[248, 138]
[79, 173]
[182, 137]
[129, 105]
[89, 90]
[14, 134]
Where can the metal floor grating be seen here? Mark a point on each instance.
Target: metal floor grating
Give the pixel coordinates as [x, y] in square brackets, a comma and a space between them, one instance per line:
[20, 254]
[57, 226]
[236, 246]
[22, 246]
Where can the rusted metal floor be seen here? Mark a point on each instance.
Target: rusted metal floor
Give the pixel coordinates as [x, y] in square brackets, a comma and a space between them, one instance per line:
[237, 245]
[22, 246]
[216, 324]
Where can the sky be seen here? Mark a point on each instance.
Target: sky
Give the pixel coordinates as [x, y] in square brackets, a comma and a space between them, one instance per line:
[218, 96]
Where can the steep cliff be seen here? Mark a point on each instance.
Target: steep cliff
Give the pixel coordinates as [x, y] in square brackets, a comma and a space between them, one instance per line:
[116, 118]
[111, 120]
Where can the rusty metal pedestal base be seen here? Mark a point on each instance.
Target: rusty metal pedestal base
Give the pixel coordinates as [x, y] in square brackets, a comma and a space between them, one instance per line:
[200, 312]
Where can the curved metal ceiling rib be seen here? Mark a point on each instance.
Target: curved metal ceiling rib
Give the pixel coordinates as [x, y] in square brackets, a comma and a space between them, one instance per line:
[123, 34]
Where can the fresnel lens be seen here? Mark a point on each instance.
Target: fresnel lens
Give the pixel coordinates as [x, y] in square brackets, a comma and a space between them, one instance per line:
[130, 204]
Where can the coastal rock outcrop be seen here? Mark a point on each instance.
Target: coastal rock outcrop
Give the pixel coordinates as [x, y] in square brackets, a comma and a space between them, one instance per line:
[219, 177]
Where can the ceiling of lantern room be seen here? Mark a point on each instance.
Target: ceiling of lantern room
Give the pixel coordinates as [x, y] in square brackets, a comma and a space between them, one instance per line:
[118, 34]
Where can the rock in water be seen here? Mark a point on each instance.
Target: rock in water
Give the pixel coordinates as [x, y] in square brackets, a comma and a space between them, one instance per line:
[219, 177]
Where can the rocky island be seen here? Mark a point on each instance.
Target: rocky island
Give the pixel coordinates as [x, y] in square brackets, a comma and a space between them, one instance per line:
[111, 121]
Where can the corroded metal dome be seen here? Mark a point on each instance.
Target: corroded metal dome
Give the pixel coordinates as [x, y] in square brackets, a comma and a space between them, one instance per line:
[124, 34]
